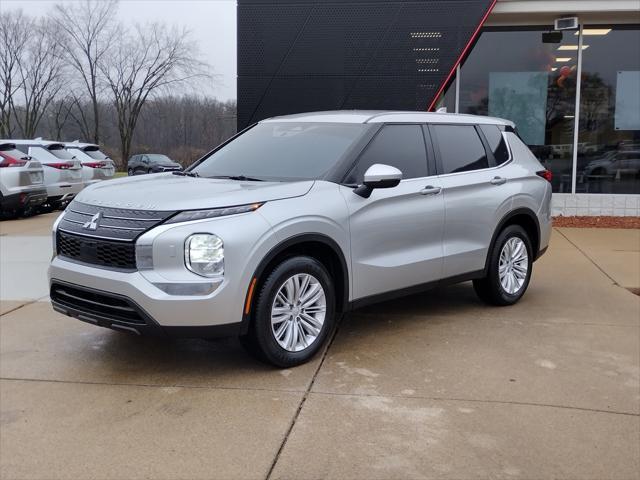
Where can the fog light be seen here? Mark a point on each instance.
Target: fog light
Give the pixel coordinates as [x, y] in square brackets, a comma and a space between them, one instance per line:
[204, 254]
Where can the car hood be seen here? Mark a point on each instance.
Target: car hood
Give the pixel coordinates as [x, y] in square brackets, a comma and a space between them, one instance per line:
[174, 192]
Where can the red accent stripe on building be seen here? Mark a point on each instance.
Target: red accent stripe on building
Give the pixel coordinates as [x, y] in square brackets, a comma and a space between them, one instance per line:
[462, 55]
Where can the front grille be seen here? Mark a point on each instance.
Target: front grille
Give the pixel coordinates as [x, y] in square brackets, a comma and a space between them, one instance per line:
[113, 223]
[106, 253]
[104, 236]
[98, 304]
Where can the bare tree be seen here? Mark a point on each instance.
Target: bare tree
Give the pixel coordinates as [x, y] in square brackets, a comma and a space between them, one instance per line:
[40, 72]
[150, 60]
[14, 36]
[87, 30]
[59, 114]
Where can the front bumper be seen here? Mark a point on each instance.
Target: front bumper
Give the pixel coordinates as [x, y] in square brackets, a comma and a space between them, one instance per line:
[160, 311]
[119, 312]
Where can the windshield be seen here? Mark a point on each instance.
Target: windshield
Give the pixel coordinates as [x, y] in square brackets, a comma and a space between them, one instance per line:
[13, 153]
[157, 158]
[43, 155]
[283, 151]
[94, 154]
[61, 153]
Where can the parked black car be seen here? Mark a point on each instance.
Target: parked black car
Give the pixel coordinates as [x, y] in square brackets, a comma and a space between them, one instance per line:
[151, 163]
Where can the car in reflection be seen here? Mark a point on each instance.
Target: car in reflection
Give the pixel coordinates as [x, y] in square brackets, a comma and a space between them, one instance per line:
[614, 164]
[151, 163]
[96, 165]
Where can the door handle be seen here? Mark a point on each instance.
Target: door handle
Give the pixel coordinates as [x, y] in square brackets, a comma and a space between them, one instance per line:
[498, 181]
[430, 190]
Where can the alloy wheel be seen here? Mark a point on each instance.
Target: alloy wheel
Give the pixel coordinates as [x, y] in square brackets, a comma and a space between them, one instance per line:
[298, 312]
[514, 265]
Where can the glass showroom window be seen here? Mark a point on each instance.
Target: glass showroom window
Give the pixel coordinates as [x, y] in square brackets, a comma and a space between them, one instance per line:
[609, 126]
[527, 76]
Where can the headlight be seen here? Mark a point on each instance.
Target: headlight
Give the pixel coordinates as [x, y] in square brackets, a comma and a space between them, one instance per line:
[204, 254]
[190, 215]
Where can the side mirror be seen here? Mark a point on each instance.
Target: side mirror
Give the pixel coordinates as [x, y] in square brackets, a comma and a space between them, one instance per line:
[378, 176]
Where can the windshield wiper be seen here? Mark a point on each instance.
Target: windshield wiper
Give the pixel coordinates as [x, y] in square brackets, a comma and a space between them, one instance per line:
[187, 174]
[242, 178]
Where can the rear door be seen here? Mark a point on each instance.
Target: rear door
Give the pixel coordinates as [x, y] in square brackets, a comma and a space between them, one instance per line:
[476, 193]
[396, 233]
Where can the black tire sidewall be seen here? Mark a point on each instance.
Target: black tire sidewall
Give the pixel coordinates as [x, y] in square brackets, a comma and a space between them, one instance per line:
[261, 324]
[494, 277]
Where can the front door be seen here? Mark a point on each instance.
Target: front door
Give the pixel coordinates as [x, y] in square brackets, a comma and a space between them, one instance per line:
[396, 233]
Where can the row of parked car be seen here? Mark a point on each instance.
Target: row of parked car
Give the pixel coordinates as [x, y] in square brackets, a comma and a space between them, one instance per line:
[46, 174]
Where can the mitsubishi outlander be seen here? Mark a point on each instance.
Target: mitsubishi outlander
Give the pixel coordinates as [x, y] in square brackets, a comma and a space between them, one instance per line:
[278, 231]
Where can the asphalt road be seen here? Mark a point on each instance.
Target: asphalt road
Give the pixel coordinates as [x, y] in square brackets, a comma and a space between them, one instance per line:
[435, 385]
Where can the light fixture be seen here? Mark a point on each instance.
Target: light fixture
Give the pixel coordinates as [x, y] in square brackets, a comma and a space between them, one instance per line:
[563, 59]
[553, 69]
[594, 31]
[572, 47]
[426, 34]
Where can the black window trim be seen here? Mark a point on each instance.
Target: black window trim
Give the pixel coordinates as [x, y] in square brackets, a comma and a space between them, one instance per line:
[428, 150]
[436, 147]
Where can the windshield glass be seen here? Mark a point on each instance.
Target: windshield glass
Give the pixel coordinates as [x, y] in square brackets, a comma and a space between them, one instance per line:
[283, 151]
[157, 158]
[61, 153]
[13, 153]
[42, 154]
[95, 154]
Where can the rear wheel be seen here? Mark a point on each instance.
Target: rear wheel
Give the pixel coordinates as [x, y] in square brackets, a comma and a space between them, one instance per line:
[510, 265]
[294, 313]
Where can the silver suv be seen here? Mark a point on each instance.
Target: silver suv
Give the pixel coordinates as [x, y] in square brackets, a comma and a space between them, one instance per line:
[275, 233]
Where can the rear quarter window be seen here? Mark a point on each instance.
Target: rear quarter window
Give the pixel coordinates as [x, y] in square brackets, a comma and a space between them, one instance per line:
[496, 142]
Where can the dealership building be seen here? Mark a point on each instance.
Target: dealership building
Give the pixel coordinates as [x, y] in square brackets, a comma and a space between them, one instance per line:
[566, 72]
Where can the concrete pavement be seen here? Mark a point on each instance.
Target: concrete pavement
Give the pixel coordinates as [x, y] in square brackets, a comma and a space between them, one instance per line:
[431, 386]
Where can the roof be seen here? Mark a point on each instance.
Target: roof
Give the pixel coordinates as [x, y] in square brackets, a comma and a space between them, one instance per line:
[81, 145]
[36, 141]
[381, 116]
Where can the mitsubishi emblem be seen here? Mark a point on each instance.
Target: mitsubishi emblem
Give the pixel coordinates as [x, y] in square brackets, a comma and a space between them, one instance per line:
[94, 223]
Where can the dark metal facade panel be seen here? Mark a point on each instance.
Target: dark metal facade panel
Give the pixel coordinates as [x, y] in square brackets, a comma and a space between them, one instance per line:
[304, 55]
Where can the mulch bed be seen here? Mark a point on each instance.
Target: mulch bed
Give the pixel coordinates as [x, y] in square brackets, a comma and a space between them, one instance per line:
[597, 222]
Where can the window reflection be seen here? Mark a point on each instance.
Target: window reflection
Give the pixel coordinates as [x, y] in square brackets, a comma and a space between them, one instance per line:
[529, 78]
[609, 128]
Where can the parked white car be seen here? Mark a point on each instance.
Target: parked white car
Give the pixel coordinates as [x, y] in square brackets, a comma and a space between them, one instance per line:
[96, 165]
[21, 181]
[62, 171]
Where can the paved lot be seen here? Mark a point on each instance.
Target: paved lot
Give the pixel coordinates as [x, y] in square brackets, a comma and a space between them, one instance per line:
[431, 386]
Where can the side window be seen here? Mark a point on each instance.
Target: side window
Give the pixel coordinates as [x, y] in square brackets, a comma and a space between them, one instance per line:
[496, 143]
[401, 146]
[461, 149]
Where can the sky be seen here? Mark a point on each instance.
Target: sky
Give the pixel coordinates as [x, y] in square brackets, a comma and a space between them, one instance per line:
[212, 23]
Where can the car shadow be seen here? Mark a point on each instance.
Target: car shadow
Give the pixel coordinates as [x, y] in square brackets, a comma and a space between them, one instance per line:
[195, 360]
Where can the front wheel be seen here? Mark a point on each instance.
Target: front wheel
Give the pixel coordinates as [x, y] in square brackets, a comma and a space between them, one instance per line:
[294, 313]
[509, 269]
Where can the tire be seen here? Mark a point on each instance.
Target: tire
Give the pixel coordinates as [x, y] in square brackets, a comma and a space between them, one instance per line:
[130, 172]
[491, 289]
[261, 340]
